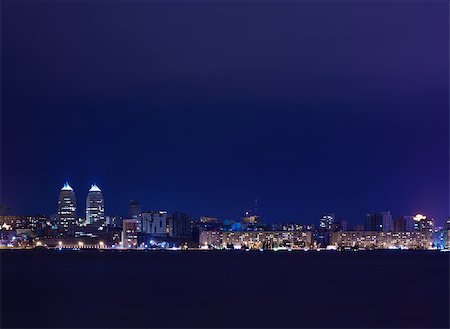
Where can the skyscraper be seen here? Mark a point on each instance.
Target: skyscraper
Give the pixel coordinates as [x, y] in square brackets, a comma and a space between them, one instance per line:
[180, 226]
[95, 207]
[381, 221]
[135, 212]
[404, 223]
[67, 210]
[423, 223]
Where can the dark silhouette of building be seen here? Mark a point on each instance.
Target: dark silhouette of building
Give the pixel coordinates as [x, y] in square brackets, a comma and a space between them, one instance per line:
[95, 207]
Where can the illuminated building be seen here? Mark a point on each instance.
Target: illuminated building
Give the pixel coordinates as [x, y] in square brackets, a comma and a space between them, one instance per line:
[155, 223]
[134, 212]
[129, 233]
[95, 207]
[404, 223]
[250, 219]
[209, 220]
[439, 238]
[326, 224]
[67, 211]
[179, 226]
[381, 240]
[256, 239]
[343, 224]
[86, 242]
[288, 227]
[326, 221]
[359, 227]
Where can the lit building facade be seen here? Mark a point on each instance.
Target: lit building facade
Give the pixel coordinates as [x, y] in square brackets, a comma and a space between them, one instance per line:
[179, 226]
[381, 240]
[134, 209]
[35, 224]
[95, 207]
[135, 212]
[155, 223]
[256, 239]
[67, 210]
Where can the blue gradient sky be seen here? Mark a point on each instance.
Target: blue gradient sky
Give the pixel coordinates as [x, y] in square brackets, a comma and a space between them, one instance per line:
[201, 106]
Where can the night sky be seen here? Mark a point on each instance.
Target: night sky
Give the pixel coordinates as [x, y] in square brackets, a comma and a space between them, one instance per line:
[201, 106]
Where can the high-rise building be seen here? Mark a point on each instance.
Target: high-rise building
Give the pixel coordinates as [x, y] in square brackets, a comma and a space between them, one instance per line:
[134, 209]
[4, 210]
[326, 221]
[95, 207]
[179, 226]
[67, 211]
[381, 222]
[155, 223]
[423, 223]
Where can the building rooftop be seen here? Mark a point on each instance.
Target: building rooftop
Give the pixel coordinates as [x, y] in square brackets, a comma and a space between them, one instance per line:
[66, 187]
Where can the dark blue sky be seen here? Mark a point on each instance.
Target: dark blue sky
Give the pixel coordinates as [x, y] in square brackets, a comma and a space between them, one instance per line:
[201, 106]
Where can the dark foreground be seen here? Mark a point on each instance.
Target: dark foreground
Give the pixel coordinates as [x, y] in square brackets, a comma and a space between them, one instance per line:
[224, 289]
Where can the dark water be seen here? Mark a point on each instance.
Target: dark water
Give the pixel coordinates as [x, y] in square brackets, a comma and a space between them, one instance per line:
[224, 289]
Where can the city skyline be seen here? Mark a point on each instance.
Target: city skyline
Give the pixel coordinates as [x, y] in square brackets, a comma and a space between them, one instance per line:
[100, 214]
[307, 113]
[95, 213]
[224, 164]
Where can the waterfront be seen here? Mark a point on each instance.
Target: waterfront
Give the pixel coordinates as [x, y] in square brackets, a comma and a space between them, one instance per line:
[224, 289]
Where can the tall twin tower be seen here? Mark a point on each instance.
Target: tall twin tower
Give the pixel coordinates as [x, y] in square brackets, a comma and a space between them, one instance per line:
[67, 208]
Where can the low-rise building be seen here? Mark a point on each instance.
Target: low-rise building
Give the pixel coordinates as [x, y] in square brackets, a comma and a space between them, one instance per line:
[381, 240]
[179, 226]
[256, 239]
[129, 233]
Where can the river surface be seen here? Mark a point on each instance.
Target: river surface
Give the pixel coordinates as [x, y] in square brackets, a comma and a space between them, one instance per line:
[191, 289]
